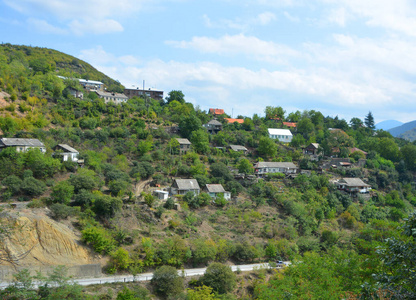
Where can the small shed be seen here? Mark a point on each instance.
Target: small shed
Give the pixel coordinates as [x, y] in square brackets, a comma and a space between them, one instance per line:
[161, 195]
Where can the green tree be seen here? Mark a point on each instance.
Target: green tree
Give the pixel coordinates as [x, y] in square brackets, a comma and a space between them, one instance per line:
[220, 277]
[274, 113]
[175, 95]
[189, 124]
[399, 257]
[244, 166]
[167, 282]
[267, 147]
[369, 121]
[200, 141]
[62, 192]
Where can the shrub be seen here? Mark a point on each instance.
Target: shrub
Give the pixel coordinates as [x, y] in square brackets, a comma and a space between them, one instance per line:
[61, 211]
[220, 277]
[99, 239]
[62, 192]
[167, 282]
[33, 187]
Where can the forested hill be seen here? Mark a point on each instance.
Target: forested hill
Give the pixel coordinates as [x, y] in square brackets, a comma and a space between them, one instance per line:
[44, 60]
[335, 197]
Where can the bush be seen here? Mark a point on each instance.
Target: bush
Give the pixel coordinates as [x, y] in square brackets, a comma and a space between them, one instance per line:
[62, 192]
[33, 187]
[220, 277]
[13, 184]
[167, 282]
[99, 239]
[61, 211]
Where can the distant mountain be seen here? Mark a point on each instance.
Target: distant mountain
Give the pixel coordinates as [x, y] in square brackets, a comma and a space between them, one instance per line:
[388, 124]
[409, 135]
[397, 131]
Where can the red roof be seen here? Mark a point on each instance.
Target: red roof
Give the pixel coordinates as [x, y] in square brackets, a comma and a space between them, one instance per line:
[216, 111]
[290, 124]
[229, 120]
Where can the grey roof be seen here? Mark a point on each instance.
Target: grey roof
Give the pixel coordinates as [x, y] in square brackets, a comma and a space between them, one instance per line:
[315, 145]
[183, 141]
[353, 182]
[187, 184]
[111, 95]
[67, 148]
[238, 148]
[10, 142]
[214, 122]
[215, 188]
[273, 164]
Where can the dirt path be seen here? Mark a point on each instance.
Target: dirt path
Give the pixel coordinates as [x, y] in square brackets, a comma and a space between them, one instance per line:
[140, 186]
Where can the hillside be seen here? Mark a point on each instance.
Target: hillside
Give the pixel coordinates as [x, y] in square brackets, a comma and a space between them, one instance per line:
[397, 131]
[328, 197]
[44, 60]
[388, 124]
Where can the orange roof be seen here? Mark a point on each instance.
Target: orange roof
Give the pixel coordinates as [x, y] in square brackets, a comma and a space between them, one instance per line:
[290, 124]
[229, 120]
[216, 111]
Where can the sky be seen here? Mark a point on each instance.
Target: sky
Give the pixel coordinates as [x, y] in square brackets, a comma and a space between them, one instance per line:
[341, 57]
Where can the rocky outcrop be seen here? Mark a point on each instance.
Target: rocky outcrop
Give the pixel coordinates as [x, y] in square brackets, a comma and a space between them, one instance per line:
[33, 239]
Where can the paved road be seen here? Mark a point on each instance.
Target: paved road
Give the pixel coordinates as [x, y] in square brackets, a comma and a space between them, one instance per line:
[148, 276]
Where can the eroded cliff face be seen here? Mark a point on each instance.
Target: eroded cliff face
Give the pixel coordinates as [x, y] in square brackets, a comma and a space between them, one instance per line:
[34, 239]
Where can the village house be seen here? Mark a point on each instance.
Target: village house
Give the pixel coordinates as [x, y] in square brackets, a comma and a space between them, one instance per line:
[353, 185]
[262, 167]
[238, 148]
[88, 85]
[184, 145]
[213, 126]
[283, 135]
[67, 152]
[311, 149]
[91, 85]
[354, 149]
[116, 98]
[290, 124]
[231, 121]
[216, 111]
[214, 190]
[182, 186]
[137, 92]
[75, 93]
[22, 145]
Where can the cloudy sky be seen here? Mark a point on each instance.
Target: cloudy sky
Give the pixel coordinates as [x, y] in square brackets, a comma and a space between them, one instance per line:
[341, 57]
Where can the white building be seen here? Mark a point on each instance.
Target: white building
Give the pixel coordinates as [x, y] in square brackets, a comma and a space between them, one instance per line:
[67, 152]
[283, 135]
[22, 145]
[264, 167]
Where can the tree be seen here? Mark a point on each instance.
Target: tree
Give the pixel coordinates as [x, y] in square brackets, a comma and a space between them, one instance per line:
[274, 113]
[399, 256]
[200, 141]
[369, 121]
[220, 171]
[62, 192]
[220, 277]
[201, 292]
[167, 282]
[356, 123]
[175, 96]
[189, 124]
[244, 166]
[267, 147]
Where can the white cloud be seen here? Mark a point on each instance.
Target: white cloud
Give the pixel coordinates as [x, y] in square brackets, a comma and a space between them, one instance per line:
[265, 18]
[88, 26]
[76, 9]
[338, 16]
[398, 15]
[238, 44]
[44, 27]
[80, 16]
[261, 19]
[290, 17]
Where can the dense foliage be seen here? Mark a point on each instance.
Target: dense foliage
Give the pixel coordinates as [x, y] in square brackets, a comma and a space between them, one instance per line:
[336, 240]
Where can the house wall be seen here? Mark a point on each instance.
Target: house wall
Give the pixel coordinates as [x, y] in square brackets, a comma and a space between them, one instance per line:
[26, 148]
[281, 138]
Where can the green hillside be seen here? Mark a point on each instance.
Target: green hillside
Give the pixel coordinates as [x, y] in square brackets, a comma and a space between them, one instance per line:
[335, 239]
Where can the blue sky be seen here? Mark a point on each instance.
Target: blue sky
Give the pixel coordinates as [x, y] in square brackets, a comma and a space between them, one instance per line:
[341, 57]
